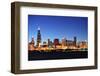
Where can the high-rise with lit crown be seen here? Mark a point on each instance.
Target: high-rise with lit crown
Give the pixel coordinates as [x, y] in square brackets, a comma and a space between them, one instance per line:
[38, 37]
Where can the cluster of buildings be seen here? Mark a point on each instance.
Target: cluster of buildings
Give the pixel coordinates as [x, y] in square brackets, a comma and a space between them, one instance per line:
[56, 44]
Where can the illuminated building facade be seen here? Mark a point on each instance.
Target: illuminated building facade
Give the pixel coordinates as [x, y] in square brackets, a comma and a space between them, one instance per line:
[64, 43]
[83, 45]
[50, 44]
[57, 45]
[31, 44]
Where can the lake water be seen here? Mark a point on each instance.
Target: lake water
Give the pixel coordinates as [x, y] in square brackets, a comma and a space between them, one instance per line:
[36, 55]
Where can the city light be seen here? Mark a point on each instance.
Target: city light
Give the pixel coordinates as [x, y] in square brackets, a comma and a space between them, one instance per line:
[58, 45]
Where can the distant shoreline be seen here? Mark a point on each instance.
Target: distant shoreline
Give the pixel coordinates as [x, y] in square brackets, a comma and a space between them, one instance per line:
[62, 50]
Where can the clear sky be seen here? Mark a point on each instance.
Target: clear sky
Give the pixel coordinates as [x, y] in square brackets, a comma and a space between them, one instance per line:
[57, 27]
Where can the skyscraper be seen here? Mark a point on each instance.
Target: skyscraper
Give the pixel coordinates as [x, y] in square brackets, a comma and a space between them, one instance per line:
[64, 43]
[75, 41]
[31, 45]
[38, 37]
[33, 41]
[50, 44]
[56, 42]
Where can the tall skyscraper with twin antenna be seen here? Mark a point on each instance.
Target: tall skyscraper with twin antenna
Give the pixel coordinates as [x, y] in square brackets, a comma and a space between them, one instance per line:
[38, 37]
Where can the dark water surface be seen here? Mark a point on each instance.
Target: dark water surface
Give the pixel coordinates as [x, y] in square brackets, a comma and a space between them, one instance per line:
[36, 55]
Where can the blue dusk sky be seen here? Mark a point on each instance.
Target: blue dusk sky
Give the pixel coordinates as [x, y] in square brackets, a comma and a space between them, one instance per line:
[52, 27]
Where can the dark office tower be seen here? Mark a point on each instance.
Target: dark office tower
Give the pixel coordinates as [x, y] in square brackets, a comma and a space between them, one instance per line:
[38, 37]
[75, 40]
[48, 42]
[56, 42]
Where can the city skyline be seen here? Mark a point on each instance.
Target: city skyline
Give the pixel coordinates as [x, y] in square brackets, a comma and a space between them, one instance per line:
[52, 27]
